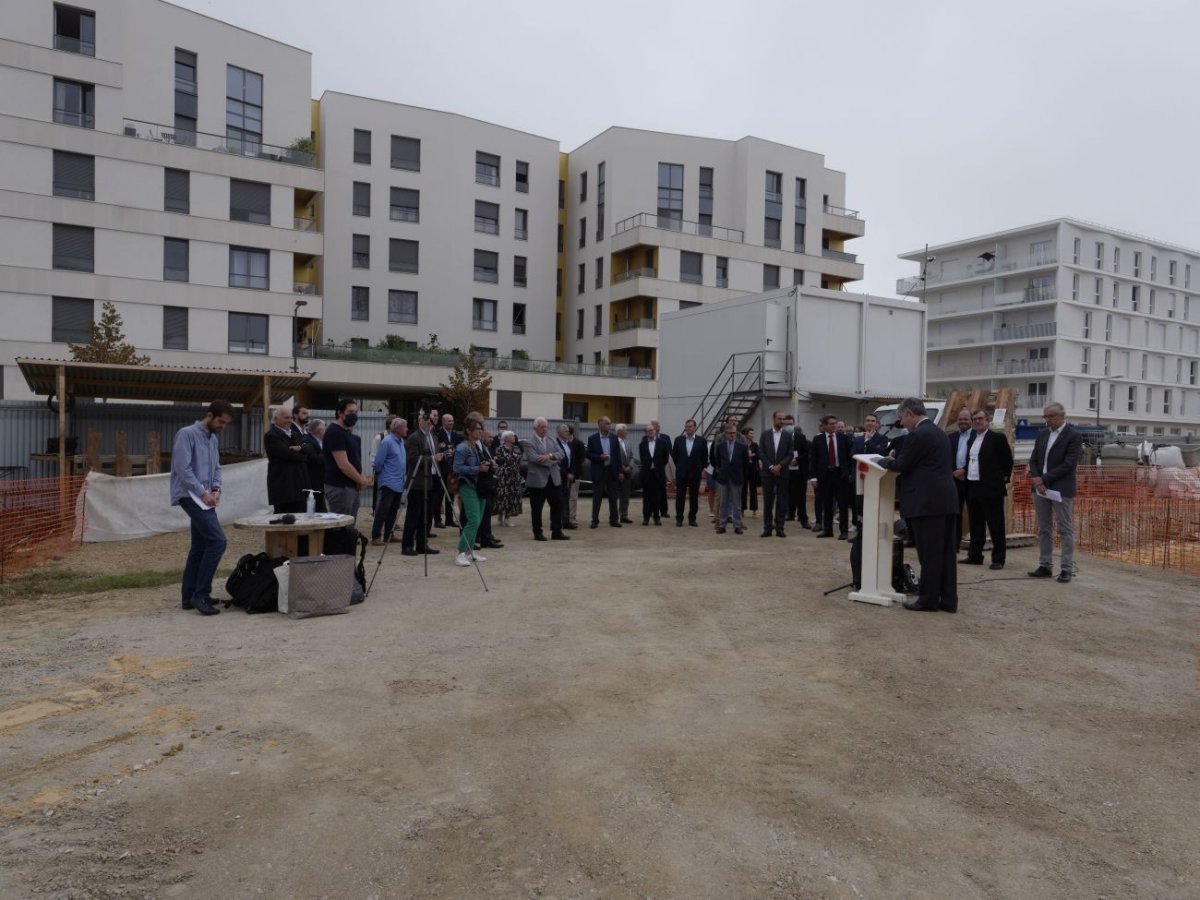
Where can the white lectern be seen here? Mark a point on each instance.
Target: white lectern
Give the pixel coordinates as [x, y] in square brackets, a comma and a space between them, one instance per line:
[878, 514]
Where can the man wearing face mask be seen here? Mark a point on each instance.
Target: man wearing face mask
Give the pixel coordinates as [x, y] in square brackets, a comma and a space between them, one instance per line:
[343, 461]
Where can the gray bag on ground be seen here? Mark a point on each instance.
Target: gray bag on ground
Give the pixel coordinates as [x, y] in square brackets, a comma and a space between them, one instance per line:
[320, 586]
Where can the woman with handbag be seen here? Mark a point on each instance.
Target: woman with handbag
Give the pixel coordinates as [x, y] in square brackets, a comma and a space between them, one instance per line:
[508, 479]
[468, 467]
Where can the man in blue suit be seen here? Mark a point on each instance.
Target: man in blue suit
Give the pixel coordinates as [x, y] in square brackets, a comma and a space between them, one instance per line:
[832, 470]
[607, 474]
[731, 464]
[690, 454]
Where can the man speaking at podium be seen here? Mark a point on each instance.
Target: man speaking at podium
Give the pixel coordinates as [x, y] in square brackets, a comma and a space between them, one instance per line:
[929, 505]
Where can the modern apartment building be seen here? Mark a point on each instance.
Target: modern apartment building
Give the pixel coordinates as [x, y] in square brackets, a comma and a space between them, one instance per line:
[1105, 322]
[155, 158]
[660, 222]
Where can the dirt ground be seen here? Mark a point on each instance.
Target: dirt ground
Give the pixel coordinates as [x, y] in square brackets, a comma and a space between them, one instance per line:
[639, 713]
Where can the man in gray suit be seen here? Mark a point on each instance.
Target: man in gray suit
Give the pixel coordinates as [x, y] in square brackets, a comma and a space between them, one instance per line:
[1052, 466]
[544, 480]
[626, 485]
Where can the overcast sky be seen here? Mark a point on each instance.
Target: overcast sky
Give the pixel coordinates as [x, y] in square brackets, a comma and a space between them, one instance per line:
[950, 118]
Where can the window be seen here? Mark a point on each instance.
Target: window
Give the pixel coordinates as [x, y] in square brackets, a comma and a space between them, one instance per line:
[1108, 322]
[723, 271]
[1137, 263]
[583, 231]
[74, 248]
[360, 303]
[485, 352]
[487, 217]
[402, 307]
[1171, 269]
[1099, 288]
[247, 333]
[575, 410]
[406, 153]
[583, 187]
[1099, 255]
[1116, 294]
[558, 283]
[770, 277]
[598, 319]
[1150, 305]
[74, 175]
[1107, 361]
[175, 328]
[175, 259]
[186, 102]
[774, 187]
[249, 201]
[177, 190]
[74, 103]
[562, 194]
[579, 287]
[519, 271]
[1116, 259]
[771, 232]
[71, 320]
[1075, 286]
[1086, 361]
[1187, 275]
[691, 267]
[243, 108]
[521, 224]
[362, 146]
[1135, 297]
[579, 326]
[798, 238]
[797, 276]
[706, 190]
[1131, 399]
[362, 199]
[487, 266]
[1193, 366]
[1093, 395]
[74, 30]
[483, 314]
[1075, 251]
[599, 272]
[521, 180]
[487, 168]
[670, 196]
[405, 205]
[1170, 305]
[597, 358]
[403, 256]
[518, 318]
[249, 268]
[1087, 325]
[600, 202]
[1154, 268]
[560, 238]
[360, 252]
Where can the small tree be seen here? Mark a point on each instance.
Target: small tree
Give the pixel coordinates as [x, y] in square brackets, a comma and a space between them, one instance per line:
[107, 343]
[470, 386]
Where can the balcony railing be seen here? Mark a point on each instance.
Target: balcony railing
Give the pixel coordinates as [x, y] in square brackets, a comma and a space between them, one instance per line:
[304, 287]
[65, 116]
[487, 226]
[449, 360]
[1027, 295]
[487, 175]
[1025, 332]
[839, 254]
[772, 197]
[74, 45]
[644, 272]
[650, 220]
[404, 214]
[841, 211]
[490, 276]
[521, 234]
[631, 324]
[304, 223]
[483, 324]
[218, 143]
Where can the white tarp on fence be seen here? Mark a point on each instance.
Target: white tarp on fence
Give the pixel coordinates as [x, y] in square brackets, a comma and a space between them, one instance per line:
[121, 509]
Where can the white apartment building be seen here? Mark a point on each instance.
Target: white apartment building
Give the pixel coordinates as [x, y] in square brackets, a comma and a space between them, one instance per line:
[437, 223]
[1105, 322]
[144, 160]
[660, 222]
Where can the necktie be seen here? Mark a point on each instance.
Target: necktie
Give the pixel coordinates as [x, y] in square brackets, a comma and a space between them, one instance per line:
[832, 452]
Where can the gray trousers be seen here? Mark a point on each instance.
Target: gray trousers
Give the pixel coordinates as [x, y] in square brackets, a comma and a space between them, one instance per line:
[1047, 513]
[342, 500]
[572, 504]
[730, 508]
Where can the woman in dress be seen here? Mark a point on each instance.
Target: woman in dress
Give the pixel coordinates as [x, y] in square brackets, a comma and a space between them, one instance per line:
[509, 485]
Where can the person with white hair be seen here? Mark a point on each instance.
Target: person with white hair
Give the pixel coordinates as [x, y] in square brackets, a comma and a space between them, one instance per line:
[544, 456]
[390, 464]
[287, 466]
[509, 485]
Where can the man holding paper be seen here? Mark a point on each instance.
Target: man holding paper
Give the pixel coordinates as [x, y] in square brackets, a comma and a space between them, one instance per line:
[1052, 466]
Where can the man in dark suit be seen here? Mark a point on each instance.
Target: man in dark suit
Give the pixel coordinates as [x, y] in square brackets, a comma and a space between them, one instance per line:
[958, 447]
[731, 461]
[928, 503]
[1056, 454]
[870, 441]
[572, 474]
[798, 475]
[989, 466]
[775, 453]
[607, 475]
[654, 452]
[833, 472]
[447, 439]
[690, 454]
[424, 489]
[625, 454]
[287, 467]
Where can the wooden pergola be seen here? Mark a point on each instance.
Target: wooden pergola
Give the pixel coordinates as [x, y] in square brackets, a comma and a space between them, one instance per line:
[59, 378]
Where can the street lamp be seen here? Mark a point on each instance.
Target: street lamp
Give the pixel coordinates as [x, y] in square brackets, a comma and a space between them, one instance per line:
[295, 311]
[1099, 384]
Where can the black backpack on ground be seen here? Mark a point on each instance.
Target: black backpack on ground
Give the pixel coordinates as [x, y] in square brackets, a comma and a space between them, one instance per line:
[904, 580]
[253, 585]
[350, 542]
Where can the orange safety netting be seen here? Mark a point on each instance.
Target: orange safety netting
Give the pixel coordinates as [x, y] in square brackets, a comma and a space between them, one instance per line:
[37, 519]
[1142, 515]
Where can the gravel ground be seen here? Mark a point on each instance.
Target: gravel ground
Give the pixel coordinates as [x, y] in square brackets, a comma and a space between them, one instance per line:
[639, 713]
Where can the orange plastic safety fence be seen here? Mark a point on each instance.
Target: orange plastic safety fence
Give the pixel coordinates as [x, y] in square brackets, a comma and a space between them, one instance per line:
[37, 519]
[1141, 515]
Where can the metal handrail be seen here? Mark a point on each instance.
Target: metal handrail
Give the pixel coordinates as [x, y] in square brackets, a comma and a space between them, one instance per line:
[726, 385]
[630, 324]
[219, 143]
[841, 211]
[650, 220]
[449, 360]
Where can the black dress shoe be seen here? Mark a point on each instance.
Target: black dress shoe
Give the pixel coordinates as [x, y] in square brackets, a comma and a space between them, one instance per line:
[679, 523]
[692, 522]
[430, 551]
[539, 537]
[559, 537]
[780, 533]
[645, 523]
[187, 604]
[204, 606]
[967, 561]
[917, 606]
[493, 545]
[824, 534]
[842, 536]
[737, 531]
[950, 609]
[618, 524]
[570, 526]
[1064, 577]
[1041, 572]
[995, 567]
[626, 521]
[656, 522]
[595, 525]
[409, 552]
[766, 533]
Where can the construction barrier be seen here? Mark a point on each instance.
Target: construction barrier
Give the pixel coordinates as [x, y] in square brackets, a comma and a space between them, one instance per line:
[1143, 515]
[37, 518]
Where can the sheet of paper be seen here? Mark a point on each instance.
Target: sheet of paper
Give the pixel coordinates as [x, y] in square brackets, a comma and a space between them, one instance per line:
[200, 503]
[1053, 496]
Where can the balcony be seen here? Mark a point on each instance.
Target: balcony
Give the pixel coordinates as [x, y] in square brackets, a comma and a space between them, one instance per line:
[627, 324]
[987, 268]
[650, 220]
[487, 226]
[1024, 366]
[842, 223]
[840, 211]
[304, 287]
[404, 214]
[1025, 332]
[630, 333]
[1028, 295]
[839, 255]
[644, 272]
[488, 276]
[304, 223]
[168, 134]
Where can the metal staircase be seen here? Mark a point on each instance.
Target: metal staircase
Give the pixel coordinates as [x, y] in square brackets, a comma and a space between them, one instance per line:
[736, 391]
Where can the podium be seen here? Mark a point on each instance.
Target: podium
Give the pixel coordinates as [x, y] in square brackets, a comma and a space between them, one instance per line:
[878, 514]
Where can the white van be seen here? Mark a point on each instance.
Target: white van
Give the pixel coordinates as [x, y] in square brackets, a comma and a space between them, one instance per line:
[889, 426]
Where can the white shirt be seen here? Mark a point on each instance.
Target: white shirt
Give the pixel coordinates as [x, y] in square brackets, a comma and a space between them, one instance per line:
[688, 442]
[973, 456]
[1054, 432]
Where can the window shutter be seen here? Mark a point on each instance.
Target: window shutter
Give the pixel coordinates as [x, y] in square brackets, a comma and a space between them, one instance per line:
[175, 328]
[74, 175]
[73, 248]
[72, 320]
[250, 201]
[177, 193]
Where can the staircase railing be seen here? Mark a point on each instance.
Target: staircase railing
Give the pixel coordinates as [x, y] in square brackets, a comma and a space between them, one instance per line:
[742, 374]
